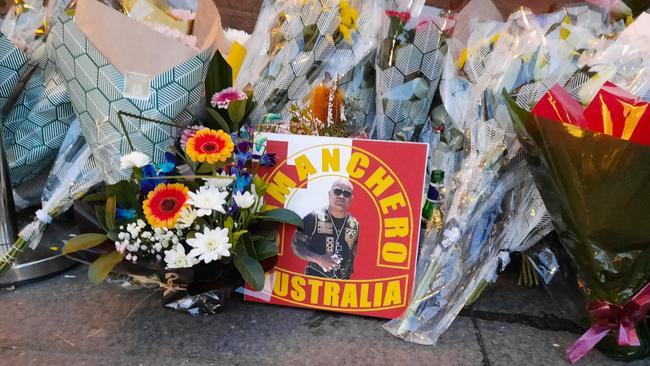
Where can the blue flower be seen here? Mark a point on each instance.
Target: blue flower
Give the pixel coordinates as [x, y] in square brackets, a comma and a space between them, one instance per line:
[268, 160]
[168, 165]
[242, 180]
[125, 214]
[148, 185]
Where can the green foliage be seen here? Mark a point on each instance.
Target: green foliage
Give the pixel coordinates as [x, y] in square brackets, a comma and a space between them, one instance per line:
[265, 248]
[100, 268]
[126, 192]
[236, 112]
[281, 215]
[111, 208]
[220, 122]
[250, 269]
[82, 242]
[218, 78]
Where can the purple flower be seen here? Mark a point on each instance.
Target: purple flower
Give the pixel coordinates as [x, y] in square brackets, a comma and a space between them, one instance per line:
[187, 133]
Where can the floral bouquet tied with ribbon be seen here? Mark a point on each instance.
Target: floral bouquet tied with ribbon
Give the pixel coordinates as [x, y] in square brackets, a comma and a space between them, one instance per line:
[592, 167]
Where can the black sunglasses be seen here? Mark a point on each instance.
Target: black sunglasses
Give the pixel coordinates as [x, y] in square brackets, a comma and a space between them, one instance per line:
[338, 192]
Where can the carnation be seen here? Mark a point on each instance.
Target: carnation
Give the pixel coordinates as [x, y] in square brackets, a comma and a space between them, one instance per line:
[135, 159]
[223, 98]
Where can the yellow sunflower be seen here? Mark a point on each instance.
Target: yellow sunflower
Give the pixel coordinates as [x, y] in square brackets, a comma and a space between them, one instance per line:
[209, 146]
[163, 205]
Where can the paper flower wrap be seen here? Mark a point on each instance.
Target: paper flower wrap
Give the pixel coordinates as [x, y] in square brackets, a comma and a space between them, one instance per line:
[592, 168]
[410, 55]
[296, 43]
[126, 73]
[13, 64]
[37, 123]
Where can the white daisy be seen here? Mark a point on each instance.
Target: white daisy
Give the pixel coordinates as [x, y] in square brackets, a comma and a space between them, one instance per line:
[210, 245]
[219, 182]
[207, 199]
[177, 258]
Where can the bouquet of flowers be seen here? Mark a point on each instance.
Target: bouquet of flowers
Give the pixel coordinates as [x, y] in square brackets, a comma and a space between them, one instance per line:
[198, 215]
[591, 166]
[409, 64]
[296, 43]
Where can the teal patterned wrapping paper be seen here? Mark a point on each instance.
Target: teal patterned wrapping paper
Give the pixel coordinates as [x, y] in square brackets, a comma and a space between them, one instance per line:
[13, 64]
[97, 93]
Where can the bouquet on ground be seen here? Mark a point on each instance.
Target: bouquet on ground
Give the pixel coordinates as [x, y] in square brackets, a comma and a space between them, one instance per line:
[198, 215]
[410, 55]
[296, 43]
[592, 168]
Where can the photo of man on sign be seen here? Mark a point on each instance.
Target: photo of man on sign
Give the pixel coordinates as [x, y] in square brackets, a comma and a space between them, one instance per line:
[330, 236]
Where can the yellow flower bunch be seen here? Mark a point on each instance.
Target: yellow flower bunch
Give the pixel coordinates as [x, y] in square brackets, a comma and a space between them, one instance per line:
[348, 16]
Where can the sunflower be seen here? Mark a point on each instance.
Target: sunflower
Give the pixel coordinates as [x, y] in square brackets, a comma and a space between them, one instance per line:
[209, 146]
[163, 205]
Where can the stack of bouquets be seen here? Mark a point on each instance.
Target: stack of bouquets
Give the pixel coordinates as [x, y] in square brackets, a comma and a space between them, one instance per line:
[193, 224]
[410, 55]
[131, 88]
[297, 43]
[491, 206]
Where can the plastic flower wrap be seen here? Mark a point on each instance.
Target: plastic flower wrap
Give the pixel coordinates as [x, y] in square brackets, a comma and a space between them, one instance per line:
[118, 70]
[490, 204]
[409, 64]
[73, 174]
[591, 166]
[296, 43]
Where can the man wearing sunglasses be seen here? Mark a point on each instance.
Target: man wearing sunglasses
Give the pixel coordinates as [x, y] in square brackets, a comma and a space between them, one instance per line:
[329, 238]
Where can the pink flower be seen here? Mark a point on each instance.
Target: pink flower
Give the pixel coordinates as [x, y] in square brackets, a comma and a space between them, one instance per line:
[404, 16]
[187, 133]
[223, 98]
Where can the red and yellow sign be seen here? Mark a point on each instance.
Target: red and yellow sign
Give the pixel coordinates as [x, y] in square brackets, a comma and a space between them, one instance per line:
[361, 202]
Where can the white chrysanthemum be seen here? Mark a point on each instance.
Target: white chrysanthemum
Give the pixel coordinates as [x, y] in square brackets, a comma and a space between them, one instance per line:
[233, 35]
[177, 258]
[207, 199]
[219, 182]
[135, 159]
[188, 215]
[245, 200]
[210, 245]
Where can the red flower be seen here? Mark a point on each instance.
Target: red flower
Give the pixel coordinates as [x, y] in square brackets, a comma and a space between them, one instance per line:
[404, 16]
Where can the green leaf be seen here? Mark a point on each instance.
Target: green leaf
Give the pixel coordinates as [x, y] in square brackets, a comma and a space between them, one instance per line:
[238, 234]
[248, 244]
[260, 186]
[229, 224]
[204, 168]
[95, 197]
[82, 242]
[111, 207]
[236, 111]
[218, 78]
[221, 122]
[281, 215]
[126, 193]
[265, 249]
[250, 269]
[101, 217]
[100, 268]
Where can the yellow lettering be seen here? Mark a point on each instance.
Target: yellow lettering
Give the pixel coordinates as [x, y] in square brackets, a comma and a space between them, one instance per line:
[394, 252]
[380, 181]
[364, 302]
[393, 294]
[298, 293]
[349, 297]
[331, 294]
[379, 291]
[331, 160]
[304, 167]
[357, 161]
[281, 285]
[279, 188]
[396, 227]
[392, 202]
[315, 289]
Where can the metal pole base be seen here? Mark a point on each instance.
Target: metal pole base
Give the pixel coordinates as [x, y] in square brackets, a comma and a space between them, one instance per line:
[44, 261]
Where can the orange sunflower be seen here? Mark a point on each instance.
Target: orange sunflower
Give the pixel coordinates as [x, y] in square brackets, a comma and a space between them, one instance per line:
[209, 146]
[163, 205]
